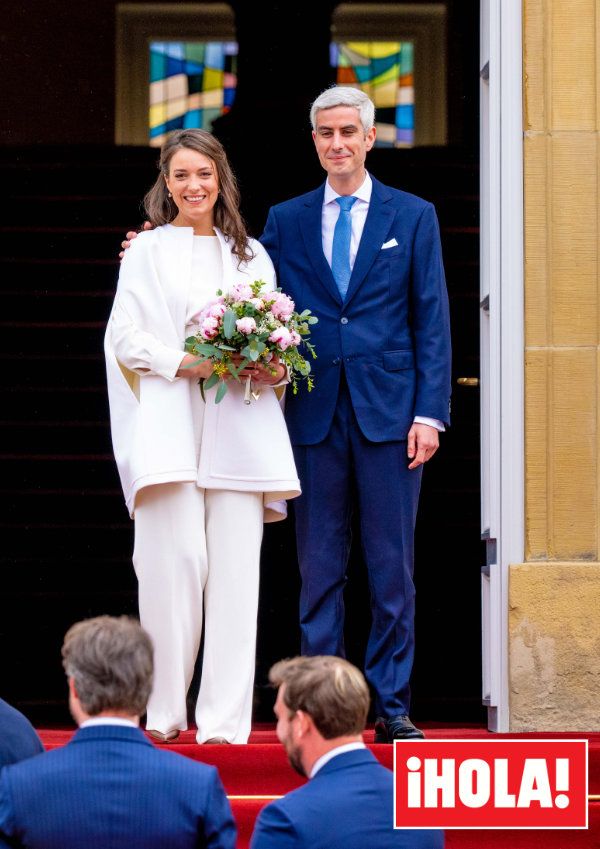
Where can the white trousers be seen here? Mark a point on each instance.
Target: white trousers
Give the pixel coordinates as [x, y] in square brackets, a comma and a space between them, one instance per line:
[198, 551]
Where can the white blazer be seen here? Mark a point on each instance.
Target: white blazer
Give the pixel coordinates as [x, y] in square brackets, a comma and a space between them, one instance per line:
[244, 446]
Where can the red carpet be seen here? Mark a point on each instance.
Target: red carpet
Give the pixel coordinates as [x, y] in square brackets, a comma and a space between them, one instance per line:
[261, 769]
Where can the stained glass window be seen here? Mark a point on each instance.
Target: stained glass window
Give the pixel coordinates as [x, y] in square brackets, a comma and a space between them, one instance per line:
[191, 84]
[384, 71]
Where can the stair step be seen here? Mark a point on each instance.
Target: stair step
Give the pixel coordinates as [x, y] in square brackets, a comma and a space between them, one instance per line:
[55, 305]
[60, 274]
[70, 371]
[53, 337]
[70, 471]
[94, 539]
[62, 242]
[44, 403]
[52, 506]
[124, 211]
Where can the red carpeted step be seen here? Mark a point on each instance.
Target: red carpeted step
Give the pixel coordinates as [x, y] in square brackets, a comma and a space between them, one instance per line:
[261, 767]
[245, 812]
[256, 773]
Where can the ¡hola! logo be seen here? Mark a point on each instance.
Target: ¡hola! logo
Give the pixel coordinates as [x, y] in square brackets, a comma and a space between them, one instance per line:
[490, 784]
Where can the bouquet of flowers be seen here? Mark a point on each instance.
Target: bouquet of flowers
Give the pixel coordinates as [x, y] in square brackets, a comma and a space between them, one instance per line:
[257, 326]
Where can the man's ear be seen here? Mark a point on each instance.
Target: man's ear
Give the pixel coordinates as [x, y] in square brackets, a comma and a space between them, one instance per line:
[370, 138]
[73, 688]
[304, 724]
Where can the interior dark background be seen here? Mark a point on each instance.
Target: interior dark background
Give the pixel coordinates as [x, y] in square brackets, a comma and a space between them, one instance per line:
[71, 193]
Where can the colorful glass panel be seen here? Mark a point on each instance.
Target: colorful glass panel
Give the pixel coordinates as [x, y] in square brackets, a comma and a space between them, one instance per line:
[191, 84]
[385, 71]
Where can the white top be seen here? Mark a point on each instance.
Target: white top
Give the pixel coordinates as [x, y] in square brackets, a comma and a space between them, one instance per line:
[333, 753]
[358, 216]
[207, 274]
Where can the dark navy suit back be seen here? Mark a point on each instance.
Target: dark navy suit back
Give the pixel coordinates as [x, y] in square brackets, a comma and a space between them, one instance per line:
[347, 805]
[110, 788]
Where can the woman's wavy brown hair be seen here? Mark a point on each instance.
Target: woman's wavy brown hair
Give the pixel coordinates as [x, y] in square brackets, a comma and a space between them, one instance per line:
[160, 208]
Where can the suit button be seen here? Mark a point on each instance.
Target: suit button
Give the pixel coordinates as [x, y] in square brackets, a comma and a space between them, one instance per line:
[343, 320]
[336, 362]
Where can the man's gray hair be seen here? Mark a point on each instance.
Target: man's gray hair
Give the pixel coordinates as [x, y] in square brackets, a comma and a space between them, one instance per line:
[111, 661]
[344, 95]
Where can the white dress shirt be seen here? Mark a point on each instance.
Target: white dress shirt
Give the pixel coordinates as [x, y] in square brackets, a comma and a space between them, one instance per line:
[333, 753]
[109, 720]
[358, 216]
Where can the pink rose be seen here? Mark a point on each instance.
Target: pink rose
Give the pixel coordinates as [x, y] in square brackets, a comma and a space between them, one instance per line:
[209, 327]
[283, 307]
[258, 304]
[281, 337]
[296, 338]
[217, 310]
[241, 292]
[246, 325]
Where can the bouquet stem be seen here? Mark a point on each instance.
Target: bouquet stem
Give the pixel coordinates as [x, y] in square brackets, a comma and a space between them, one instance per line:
[247, 391]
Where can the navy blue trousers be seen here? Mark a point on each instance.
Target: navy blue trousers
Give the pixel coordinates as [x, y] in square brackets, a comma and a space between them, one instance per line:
[343, 473]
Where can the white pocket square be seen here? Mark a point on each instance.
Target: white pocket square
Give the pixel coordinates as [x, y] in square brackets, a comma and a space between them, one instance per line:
[391, 244]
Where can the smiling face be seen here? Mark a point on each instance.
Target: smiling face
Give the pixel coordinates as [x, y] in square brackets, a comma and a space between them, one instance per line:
[194, 184]
[342, 146]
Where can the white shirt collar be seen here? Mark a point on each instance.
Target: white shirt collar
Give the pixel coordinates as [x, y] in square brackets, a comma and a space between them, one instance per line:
[333, 753]
[108, 720]
[362, 193]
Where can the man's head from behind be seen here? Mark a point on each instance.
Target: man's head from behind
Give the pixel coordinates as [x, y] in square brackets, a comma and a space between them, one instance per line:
[109, 664]
[322, 703]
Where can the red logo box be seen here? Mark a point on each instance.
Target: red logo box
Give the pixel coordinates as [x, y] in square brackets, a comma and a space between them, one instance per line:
[490, 784]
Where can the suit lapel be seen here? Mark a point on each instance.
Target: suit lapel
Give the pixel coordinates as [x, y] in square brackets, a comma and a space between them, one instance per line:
[377, 225]
[310, 227]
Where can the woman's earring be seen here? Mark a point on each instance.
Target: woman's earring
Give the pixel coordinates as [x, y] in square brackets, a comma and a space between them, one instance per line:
[170, 195]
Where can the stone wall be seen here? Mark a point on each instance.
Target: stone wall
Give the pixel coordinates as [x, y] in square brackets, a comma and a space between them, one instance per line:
[554, 597]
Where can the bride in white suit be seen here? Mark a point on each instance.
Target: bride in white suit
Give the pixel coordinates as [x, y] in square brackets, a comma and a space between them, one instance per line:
[198, 478]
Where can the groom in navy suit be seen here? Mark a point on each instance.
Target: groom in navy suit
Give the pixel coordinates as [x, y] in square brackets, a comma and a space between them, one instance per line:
[110, 788]
[366, 259]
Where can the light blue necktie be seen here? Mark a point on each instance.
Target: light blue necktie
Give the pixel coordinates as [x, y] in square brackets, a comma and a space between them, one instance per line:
[340, 253]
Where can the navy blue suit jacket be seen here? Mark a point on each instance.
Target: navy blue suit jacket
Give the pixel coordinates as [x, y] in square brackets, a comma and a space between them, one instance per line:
[18, 739]
[347, 805]
[391, 334]
[110, 788]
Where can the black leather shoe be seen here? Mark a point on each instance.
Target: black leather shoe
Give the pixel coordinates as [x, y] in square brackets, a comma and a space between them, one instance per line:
[396, 728]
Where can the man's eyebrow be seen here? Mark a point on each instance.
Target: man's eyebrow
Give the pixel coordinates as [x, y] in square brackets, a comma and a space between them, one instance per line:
[345, 127]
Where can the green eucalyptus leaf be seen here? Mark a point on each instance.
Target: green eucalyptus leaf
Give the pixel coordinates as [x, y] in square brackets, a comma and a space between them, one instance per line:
[229, 324]
[196, 362]
[221, 392]
[233, 370]
[211, 381]
[205, 348]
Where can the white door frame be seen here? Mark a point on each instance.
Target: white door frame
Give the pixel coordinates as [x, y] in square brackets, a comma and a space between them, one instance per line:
[502, 336]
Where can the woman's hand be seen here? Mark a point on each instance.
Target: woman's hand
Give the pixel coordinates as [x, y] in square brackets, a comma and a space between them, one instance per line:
[201, 370]
[260, 373]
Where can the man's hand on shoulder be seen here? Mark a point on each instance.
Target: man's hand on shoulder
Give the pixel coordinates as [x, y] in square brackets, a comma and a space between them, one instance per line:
[130, 236]
[423, 442]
